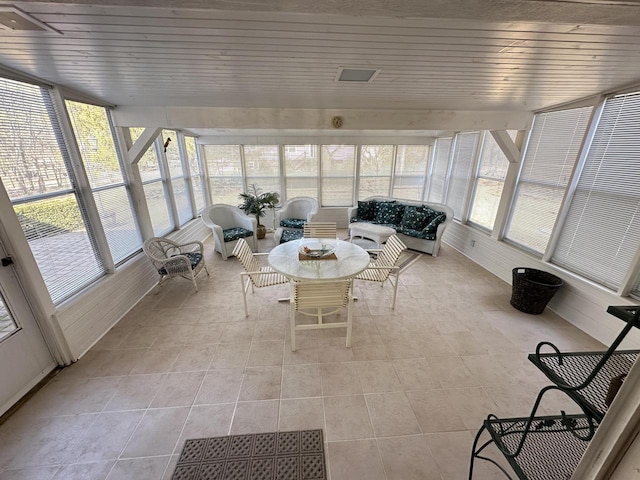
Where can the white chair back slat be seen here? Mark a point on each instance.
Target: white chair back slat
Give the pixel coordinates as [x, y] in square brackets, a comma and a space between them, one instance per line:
[319, 230]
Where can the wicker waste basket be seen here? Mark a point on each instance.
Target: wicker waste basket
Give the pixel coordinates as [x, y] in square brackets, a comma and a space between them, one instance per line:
[532, 289]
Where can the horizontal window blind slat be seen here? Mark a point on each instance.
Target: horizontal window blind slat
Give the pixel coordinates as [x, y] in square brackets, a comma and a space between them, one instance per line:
[601, 235]
[439, 169]
[463, 155]
[301, 170]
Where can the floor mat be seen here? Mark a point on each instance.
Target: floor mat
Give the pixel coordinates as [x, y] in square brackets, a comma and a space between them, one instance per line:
[295, 455]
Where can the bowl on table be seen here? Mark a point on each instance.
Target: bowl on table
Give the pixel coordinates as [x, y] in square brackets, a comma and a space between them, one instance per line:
[317, 248]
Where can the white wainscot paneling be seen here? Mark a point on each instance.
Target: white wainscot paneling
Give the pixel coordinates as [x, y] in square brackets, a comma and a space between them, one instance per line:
[85, 318]
[579, 301]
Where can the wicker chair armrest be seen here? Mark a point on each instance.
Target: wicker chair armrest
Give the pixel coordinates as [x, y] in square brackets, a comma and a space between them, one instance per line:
[176, 260]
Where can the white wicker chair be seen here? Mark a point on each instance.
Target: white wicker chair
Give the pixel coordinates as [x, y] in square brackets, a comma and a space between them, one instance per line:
[172, 259]
[254, 275]
[384, 267]
[220, 218]
[295, 211]
[317, 296]
[319, 230]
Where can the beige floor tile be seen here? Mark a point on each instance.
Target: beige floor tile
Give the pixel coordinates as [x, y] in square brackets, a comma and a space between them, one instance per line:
[84, 471]
[378, 376]
[178, 390]
[452, 372]
[157, 360]
[391, 414]
[141, 337]
[231, 355]
[301, 414]
[357, 459]
[261, 383]
[487, 370]
[333, 354]
[157, 432]
[255, 417]
[206, 421]
[266, 353]
[118, 362]
[31, 473]
[300, 381]
[206, 334]
[407, 458]
[452, 452]
[347, 418]
[194, 358]
[415, 374]
[472, 404]
[519, 367]
[340, 379]
[464, 343]
[139, 468]
[135, 392]
[269, 330]
[240, 332]
[434, 411]
[107, 437]
[302, 355]
[221, 385]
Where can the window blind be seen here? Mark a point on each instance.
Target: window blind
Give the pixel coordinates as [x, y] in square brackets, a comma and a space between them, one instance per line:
[262, 167]
[338, 175]
[225, 173]
[551, 152]
[93, 133]
[181, 193]
[197, 177]
[601, 234]
[411, 169]
[376, 162]
[301, 170]
[34, 166]
[489, 183]
[155, 192]
[463, 156]
[439, 170]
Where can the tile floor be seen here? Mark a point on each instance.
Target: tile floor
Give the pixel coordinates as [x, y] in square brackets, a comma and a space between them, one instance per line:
[403, 403]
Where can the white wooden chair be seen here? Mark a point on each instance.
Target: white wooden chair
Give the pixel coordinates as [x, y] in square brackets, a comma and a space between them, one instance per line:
[228, 223]
[318, 296]
[384, 267]
[172, 259]
[254, 275]
[319, 230]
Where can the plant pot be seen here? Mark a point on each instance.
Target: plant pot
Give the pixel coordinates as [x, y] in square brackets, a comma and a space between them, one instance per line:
[262, 231]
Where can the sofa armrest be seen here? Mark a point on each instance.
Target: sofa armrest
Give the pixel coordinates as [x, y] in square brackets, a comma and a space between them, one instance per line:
[351, 213]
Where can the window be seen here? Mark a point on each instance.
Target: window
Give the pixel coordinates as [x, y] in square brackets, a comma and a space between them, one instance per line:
[301, 170]
[92, 129]
[195, 172]
[179, 184]
[492, 170]
[36, 172]
[551, 152]
[439, 170]
[154, 189]
[411, 169]
[464, 152]
[376, 162]
[599, 238]
[338, 174]
[225, 173]
[262, 167]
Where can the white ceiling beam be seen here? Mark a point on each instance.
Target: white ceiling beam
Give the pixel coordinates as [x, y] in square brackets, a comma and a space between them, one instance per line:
[507, 145]
[143, 142]
[318, 119]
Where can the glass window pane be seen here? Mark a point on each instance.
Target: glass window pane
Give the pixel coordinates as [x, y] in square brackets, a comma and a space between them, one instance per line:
[463, 156]
[7, 323]
[302, 187]
[439, 170]
[172, 153]
[486, 202]
[409, 188]
[262, 167]
[97, 148]
[60, 244]
[301, 170]
[370, 186]
[149, 165]
[158, 208]
[196, 173]
[183, 203]
[376, 160]
[226, 189]
[338, 174]
[223, 160]
[412, 159]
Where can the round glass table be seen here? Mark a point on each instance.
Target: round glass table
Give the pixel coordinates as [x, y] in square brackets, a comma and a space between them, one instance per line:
[351, 260]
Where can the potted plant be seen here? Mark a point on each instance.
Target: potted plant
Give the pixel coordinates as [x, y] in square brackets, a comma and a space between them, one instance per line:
[254, 202]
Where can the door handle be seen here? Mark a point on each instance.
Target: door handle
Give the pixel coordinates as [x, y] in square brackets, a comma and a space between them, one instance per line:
[6, 261]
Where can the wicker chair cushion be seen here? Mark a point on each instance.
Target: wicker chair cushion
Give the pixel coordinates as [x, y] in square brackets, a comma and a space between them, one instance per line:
[367, 210]
[194, 257]
[432, 227]
[416, 233]
[389, 213]
[288, 235]
[292, 223]
[231, 234]
[416, 218]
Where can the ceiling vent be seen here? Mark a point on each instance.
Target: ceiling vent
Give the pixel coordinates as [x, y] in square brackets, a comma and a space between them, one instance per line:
[13, 19]
[357, 75]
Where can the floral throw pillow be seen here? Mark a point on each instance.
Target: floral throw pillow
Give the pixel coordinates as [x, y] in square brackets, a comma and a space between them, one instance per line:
[432, 227]
[366, 210]
[415, 218]
[389, 213]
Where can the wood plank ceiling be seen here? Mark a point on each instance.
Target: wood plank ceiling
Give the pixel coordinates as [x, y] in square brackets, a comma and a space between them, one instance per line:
[230, 58]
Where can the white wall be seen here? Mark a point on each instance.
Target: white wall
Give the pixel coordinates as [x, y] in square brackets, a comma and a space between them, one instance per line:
[86, 317]
[579, 301]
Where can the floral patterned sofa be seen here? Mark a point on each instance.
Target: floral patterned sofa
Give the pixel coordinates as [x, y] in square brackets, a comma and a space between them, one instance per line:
[420, 225]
